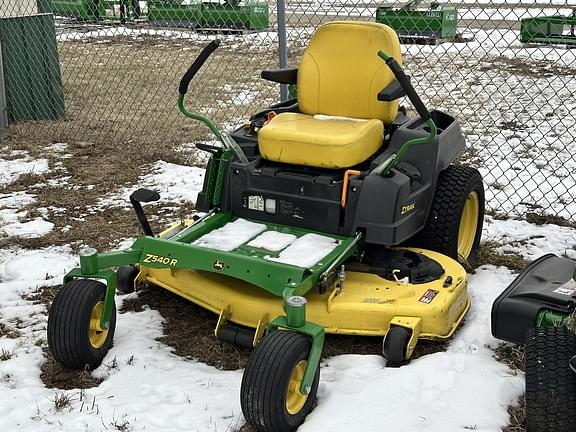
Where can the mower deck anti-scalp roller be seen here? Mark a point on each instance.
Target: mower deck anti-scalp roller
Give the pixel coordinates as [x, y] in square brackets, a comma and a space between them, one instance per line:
[330, 213]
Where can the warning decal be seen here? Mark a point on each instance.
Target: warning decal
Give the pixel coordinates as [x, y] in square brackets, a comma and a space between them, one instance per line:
[428, 296]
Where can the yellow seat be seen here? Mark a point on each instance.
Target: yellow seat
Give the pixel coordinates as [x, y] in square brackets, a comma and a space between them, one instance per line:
[339, 75]
[330, 143]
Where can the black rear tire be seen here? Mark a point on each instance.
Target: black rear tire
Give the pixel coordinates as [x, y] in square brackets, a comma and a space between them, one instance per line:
[265, 389]
[458, 189]
[72, 337]
[395, 344]
[550, 383]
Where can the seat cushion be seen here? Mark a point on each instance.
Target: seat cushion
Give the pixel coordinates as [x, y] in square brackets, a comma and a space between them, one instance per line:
[319, 141]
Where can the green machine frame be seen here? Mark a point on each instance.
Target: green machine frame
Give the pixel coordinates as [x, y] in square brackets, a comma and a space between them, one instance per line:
[286, 281]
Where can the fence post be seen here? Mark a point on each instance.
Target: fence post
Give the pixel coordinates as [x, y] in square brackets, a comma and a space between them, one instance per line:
[3, 102]
[282, 44]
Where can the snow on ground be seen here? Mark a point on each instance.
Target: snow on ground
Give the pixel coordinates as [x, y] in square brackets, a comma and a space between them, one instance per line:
[528, 240]
[13, 215]
[11, 169]
[175, 183]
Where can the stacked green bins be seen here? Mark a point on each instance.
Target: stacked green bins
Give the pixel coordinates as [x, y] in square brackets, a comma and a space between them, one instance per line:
[549, 30]
[253, 15]
[428, 25]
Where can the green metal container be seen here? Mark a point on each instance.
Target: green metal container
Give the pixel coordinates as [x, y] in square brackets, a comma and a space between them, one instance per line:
[254, 15]
[31, 68]
[86, 10]
[171, 14]
[439, 23]
[549, 30]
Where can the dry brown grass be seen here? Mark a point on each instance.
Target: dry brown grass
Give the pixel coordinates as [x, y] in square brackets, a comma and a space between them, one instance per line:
[517, 417]
[489, 255]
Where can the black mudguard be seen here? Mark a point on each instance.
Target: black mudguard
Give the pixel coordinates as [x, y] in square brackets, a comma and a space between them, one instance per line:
[536, 288]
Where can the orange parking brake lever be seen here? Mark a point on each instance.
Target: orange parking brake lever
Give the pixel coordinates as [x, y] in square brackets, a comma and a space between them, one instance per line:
[345, 185]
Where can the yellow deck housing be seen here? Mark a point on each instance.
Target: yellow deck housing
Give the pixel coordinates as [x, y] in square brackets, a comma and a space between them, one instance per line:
[366, 305]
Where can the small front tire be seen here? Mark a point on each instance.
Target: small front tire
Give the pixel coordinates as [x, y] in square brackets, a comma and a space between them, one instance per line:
[395, 344]
[126, 279]
[75, 337]
[270, 393]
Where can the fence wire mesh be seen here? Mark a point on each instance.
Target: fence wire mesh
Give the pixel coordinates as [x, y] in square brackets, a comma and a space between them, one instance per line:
[108, 71]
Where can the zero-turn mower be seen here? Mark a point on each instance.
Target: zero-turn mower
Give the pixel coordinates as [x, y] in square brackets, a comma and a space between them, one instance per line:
[333, 212]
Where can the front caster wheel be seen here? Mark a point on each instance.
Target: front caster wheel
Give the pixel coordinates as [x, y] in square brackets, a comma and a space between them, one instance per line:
[126, 279]
[75, 337]
[270, 392]
[395, 344]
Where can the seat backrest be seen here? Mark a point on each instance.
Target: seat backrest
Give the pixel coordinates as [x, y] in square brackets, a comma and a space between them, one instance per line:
[340, 73]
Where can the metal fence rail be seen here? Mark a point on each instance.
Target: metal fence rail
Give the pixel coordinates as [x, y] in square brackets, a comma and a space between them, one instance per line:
[505, 69]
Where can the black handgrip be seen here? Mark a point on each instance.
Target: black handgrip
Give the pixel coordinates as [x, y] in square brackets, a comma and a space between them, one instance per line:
[195, 67]
[404, 81]
[208, 148]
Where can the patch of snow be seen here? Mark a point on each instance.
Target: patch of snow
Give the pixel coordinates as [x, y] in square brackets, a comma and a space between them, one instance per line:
[11, 205]
[230, 236]
[307, 251]
[528, 240]
[175, 183]
[57, 147]
[32, 229]
[273, 241]
[10, 170]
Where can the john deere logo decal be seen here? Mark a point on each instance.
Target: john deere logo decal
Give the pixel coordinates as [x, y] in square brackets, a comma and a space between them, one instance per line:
[218, 265]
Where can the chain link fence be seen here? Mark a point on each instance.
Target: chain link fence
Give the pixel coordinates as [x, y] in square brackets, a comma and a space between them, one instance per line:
[108, 71]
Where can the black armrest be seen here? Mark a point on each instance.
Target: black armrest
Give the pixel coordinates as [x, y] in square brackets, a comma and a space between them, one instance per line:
[281, 76]
[392, 92]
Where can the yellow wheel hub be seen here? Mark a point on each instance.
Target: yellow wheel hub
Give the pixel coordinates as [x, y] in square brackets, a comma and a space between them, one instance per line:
[295, 400]
[468, 225]
[97, 334]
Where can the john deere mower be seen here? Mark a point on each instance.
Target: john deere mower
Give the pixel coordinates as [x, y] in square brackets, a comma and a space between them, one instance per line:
[538, 310]
[333, 212]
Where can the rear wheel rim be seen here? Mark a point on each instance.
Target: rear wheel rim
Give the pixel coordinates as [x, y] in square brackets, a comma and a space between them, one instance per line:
[468, 225]
[96, 333]
[295, 400]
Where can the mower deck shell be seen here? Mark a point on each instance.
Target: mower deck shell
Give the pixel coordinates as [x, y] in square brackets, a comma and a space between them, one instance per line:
[365, 306]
